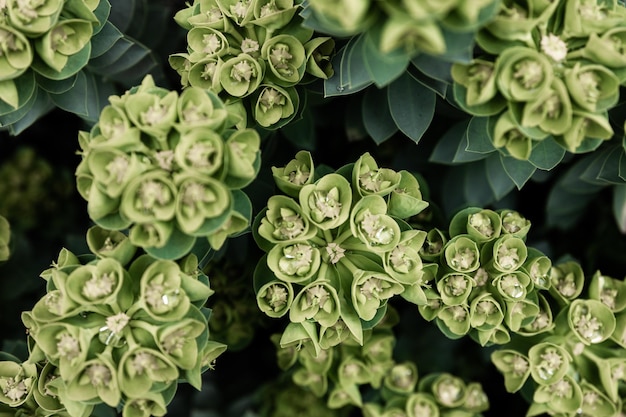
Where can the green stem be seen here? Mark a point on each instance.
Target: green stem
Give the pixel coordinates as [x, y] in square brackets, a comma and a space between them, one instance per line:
[328, 235]
[343, 236]
[348, 264]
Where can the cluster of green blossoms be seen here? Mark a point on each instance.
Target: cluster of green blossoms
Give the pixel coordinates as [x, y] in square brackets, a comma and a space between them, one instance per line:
[252, 51]
[579, 367]
[549, 69]
[170, 167]
[32, 189]
[411, 25]
[115, 327]
[5, 238]
[367, 376]
[43, 42]
[338, 249]
[488, 282]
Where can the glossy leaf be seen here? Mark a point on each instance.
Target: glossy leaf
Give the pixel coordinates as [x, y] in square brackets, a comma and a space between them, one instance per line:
[412, 106]
[377, 118]
[546, 154]
[519, 171]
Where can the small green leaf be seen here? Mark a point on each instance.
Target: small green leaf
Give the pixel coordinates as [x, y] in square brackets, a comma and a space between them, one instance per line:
[131, 57]
[412, 106]
[447, 145]
[478, 135]
[75, 99]
[115, 52]
[104, 40]
[434, 67]
[122, 12]
[546, 154]
[497, 177]
[41, 105]
[597, 163]
[619, 206]
[178, 245]
[340, 83]
[376, 116]
[519, 171]
[301, 132]
[26, 88]
[459, 45]
[55, 86]
[476, 187]
[611, 167]
[356, 72]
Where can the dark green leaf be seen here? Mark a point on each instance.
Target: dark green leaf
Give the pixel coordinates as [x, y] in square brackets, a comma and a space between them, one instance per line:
[131, 58]
[122, 13]
[497, 177]
[619, 206]
[75, 99]
[138, 19]
[438, 87]
[11, 117]
[447, 145]
[383, 68]
[490, 108]
[478, 136]
[56, 86]
[572, 182]
[412, 106]
[376, 116]
[133, 74]
[104, 40]
[433, 67]
[102, 12]
[597, 161]
[565, 208]
[518, 171]
[459, 46]
[301, 132]
[178, 245]
[611, 168]
[546, 154]
[476, 187]
[112, 54]
[339, 83]
[41, 106]
[356, 72]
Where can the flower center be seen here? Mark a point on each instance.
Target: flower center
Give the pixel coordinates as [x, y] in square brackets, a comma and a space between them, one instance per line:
[529, 73]
[99, 286]
[99, 375]
[270, 98]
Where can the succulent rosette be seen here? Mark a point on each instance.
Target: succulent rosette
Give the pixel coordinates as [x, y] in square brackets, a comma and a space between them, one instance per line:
[113, 328]
[168, 167]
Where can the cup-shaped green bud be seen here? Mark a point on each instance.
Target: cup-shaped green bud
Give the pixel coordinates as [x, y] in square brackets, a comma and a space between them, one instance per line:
[312, 381]
[461, 254]
[455, 288]
[403, 262]
[45, 394]
[563, 396]
[379, 347]
[476, 399]
[485, 312]
[327, 203]
[17, 54]
[606, 48]
[508, 135]
[591, 320]
[433, 306]
[406, 200]
[371, 290]
[449, 391]
[481, 225]
[56, 304]
[96, 380]
[241, 75]
[34, 18]
[512, 286]
[454, 320]
[585, 125]
[112, 169]
[421, 404]
[520, 313]
[64, 345]
[296, 263]
[550, 112]
[542, 321]
[538, 266]
[319, 363]
[353, 371]
[202, 14]
[347, 16]
[206, 42]
[611, 370]
[284, 221]
[369, 179]
[274, 106]
[182, 65]
[17, 382]
[200, 199]
[161, 293]
[479, 80]
[523, 73]
[197, 107]
[610, 291]
[5, 237]
[149, 404]
[317, 301]
[334, 335]
[153, 112]
[99, 283]
[593, 87]
[286, 59]
[200, 151]
[275, 298]
[372, 226]
[514, 223]
[401, 31]
[514, 366]
[401, 378]
[596, 402]
[583, 17]
[296, 174]
[149, 197]
[509, 253]
[567, 280]
[242, 153]
[205, 74]
[64, 39]
[273, 14]
[240, 11]
[177, 341]
[110, 244]
[319, 52]
[549, 362]
[151, 235]
[114, 130]
[142, 369]
[433, 245]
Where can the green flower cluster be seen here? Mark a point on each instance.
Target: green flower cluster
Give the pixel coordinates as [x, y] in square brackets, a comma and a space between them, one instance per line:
[254, 52]
[51, 37]
[549, 69]
[414, 26]
[488, 281]
[337, 249]
[368, 377]
[113, 328]
[5, 238]
[579, 368]
[234, 314]
[32, 189]
[170, 167]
